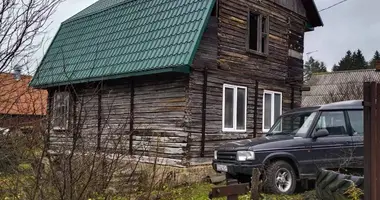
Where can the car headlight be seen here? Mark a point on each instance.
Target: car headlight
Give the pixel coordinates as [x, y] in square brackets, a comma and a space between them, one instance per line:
[245, 155]
[215, 155]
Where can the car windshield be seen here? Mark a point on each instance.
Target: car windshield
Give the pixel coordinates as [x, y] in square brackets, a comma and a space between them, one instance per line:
[297, 124]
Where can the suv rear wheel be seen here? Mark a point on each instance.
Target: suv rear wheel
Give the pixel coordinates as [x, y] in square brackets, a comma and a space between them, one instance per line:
[280, 178]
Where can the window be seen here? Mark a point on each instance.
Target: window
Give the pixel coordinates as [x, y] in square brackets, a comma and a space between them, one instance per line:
[297, 124]
[234, 108]
[356, 121]
[333, 122]
[61, 110]
[258, 31]
[272, 108]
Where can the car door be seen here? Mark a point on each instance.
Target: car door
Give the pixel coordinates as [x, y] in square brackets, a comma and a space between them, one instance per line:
[356, 121]
[333, 151]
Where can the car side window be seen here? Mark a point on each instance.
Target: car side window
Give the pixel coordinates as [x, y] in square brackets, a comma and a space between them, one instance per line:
[356, 121]
[333, 122]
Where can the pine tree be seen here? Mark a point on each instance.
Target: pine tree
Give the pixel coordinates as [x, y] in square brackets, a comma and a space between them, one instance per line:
[358, 61]
[373, 61]
[345, 63]
[313, 66]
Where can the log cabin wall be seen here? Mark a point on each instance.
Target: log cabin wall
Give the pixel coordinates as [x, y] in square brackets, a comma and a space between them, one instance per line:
[159, 113]
[225, 41]
[103, 114]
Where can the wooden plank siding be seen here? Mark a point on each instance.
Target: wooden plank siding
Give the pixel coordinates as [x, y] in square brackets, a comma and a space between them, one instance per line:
[223, 52]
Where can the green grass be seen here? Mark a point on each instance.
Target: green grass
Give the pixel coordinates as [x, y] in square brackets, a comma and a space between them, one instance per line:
[201, 191]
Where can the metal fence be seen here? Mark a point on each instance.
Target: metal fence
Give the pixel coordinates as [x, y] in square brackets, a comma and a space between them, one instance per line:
[372, 140]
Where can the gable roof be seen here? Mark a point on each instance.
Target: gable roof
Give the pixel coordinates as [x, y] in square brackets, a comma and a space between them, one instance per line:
[312, 13]
[121, 38]
[324, 84]
[17, 98]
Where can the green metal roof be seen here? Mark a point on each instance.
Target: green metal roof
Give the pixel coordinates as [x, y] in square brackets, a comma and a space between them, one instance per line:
[121, 38]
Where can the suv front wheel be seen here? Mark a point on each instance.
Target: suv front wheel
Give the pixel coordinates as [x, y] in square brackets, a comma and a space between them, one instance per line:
[280, 178]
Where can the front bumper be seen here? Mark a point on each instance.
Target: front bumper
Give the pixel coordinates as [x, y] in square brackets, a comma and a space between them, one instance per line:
[237, 168]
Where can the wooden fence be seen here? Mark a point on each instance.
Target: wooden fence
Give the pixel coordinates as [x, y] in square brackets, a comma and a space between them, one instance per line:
[372, 141]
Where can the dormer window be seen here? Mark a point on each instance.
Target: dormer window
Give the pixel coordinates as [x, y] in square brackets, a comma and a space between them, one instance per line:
[258, 32]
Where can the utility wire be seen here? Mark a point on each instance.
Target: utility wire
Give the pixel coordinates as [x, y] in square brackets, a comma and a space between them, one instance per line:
[333, 5]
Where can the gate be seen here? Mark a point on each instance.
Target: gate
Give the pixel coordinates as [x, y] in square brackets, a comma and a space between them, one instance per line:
[372, 140]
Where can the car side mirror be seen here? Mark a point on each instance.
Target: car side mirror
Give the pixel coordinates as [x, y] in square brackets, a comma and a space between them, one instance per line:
[321, 133]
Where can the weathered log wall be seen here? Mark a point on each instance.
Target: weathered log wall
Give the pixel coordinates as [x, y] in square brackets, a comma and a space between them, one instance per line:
[104, 117]
[223, 52]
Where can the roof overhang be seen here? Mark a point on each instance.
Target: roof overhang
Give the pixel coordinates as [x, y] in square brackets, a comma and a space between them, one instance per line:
[312, 14]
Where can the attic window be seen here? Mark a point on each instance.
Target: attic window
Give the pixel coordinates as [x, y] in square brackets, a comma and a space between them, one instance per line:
[258, 31]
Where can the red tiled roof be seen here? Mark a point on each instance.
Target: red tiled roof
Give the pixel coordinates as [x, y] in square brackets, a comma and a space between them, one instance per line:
[17, 98]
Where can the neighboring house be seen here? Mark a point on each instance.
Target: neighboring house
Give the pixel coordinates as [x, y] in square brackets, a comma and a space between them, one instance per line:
[338, 86]
[194, 73]
[20, 105]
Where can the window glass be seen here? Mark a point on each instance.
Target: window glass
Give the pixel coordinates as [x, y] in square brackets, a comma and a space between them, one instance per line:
[333, 122]
[241, 109]
[263, 25]
[296, 124]
[235, 108]
[267, 111]
[272, 108]
[356, 121]
[228, 107]
[258, 33]
[277, 106]
[61, 110]
[253, 31]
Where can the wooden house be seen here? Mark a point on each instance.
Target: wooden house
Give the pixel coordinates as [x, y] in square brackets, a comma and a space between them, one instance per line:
[175, 78]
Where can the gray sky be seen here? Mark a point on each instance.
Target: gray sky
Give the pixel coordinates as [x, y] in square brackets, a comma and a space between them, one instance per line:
[351, 25]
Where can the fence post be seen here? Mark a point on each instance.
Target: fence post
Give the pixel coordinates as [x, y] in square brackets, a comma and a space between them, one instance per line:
[255, 184]
[371, 129]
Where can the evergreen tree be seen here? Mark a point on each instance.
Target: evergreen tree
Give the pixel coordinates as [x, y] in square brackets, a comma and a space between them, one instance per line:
[313, 66]
[345, 63]
[335, 68]
[373, 61]
[358, 61]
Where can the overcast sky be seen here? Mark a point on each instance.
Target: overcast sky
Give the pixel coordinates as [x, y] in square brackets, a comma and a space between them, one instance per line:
[351, 25]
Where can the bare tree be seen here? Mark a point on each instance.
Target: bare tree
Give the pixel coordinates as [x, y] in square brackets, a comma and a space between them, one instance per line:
[22, 28]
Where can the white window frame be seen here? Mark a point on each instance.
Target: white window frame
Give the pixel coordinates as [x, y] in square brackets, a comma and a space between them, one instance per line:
[66, 96]
[272, 93]
[235, 89]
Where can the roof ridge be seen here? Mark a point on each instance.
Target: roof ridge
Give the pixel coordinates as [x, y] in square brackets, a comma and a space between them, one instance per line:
[344, 71]
[75, 17]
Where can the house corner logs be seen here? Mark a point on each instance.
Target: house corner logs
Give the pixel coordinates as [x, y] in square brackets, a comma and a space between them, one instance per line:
[292, 98]
[204, 99]
[100, 90]
[131, 116]
[49, 116]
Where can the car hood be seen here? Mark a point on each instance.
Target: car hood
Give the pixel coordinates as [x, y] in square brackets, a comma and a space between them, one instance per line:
[251, 143]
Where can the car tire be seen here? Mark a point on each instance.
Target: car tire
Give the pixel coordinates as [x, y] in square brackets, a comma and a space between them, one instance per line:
[280, 178]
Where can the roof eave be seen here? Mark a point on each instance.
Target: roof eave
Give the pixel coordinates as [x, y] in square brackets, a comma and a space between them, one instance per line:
[185, 69]
[312, 14]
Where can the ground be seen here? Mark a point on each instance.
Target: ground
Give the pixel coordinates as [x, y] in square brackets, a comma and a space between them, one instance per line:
[201, 191]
